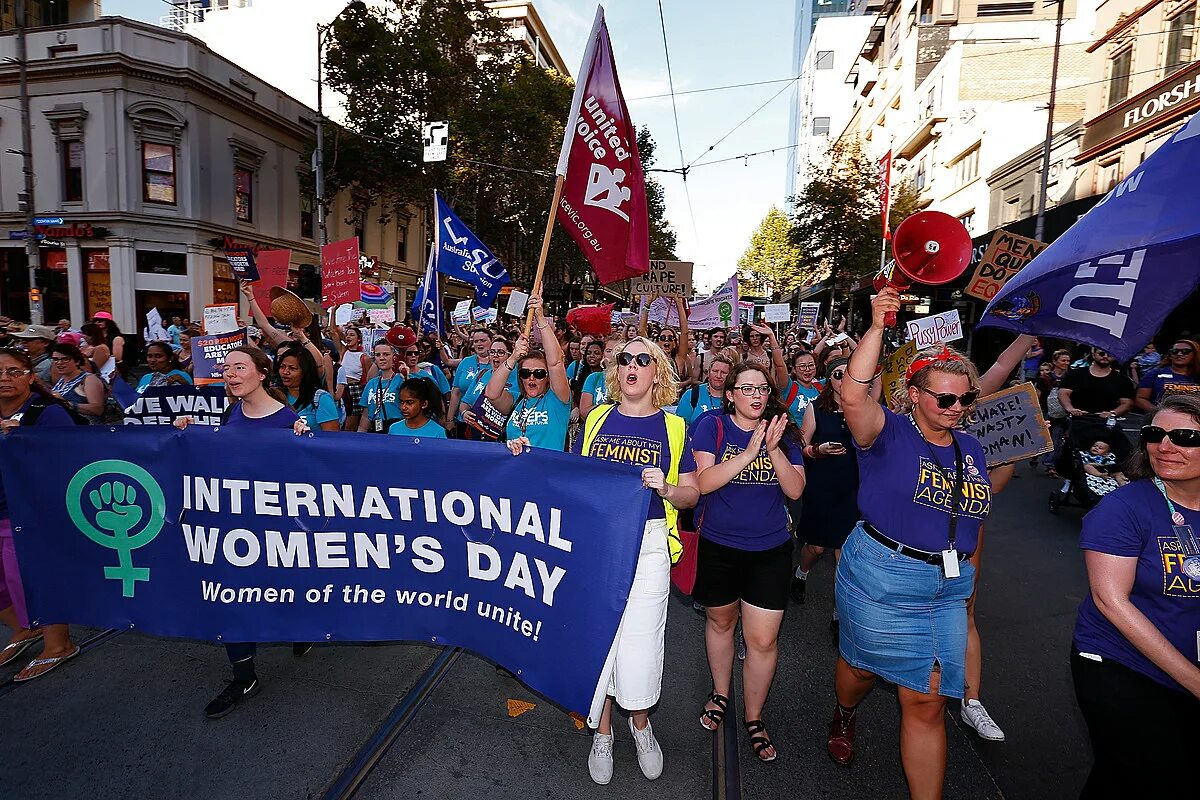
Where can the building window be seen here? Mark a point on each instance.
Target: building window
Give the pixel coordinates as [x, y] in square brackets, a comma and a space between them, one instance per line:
[925, 15]
[824, 59]
[966, 169]
[820, 126]
[968, 221]
[72, 171]
[919, 182]
[306, 216]
[1118, 76]
[158, 173]
[1005, 9]
[243, 195]
[1012, 209]
[156, 262]
[1180, 36]
[402, 241]
[1110, 175]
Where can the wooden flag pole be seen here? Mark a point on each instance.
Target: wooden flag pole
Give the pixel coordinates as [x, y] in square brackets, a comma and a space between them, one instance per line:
[541, 267]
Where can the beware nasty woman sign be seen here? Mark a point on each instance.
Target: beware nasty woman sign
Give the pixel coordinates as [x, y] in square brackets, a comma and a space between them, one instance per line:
[200, 534]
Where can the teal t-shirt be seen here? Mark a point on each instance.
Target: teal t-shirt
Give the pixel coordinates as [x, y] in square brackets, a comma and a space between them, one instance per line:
[321, 409]
[430, 430]
[704, 402]
[594, 385]
[389, 400]
[436, 375]
[479, 383]
[545, 419]
[801, 401]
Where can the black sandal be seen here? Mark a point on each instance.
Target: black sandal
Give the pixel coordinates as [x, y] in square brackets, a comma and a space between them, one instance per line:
[759, 740]
[714, 715]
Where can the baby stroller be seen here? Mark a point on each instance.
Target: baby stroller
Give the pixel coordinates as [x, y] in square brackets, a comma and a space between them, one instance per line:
[1082, 432]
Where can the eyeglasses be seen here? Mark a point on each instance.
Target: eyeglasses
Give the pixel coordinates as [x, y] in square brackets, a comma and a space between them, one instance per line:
[498, 352]
[642, 359]
[532, 373]
[60, 359]
[1180, 437]
[838, 374]
[751, 391]
[14, 373]
[1181, 351]
[946, 400]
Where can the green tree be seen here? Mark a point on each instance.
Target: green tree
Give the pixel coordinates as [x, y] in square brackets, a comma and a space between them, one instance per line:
[906, 201]
[837, 217]
[771, 265]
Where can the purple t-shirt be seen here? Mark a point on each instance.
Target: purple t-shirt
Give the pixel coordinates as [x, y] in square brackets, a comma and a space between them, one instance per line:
[283, 418]
[1164, 381]
[53, 416]
[906, 495]
[1134, 522]
[640, 441]
[749, 512]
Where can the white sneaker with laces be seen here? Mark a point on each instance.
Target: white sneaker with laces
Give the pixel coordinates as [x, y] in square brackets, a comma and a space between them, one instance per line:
[600, 759]
[650, 755]
[975, 715]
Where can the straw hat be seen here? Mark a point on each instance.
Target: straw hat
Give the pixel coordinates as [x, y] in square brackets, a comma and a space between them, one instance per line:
[288, 308]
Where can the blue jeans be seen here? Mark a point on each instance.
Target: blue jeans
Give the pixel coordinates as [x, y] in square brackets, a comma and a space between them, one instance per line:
[1058, 432]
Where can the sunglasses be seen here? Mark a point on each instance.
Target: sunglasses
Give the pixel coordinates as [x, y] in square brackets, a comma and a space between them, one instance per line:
[532, 373]
[946, 400]
[670, 339]
[642, 359]
[1180, 437]
[411, 352]
[1182, 351]
[751, 391]
[838, 374]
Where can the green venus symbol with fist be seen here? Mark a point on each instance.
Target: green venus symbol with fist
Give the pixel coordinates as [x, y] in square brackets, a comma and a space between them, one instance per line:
[725, 311]
[124, 510]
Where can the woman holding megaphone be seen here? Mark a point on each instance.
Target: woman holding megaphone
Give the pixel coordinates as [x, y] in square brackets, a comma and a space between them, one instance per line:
[905, 574]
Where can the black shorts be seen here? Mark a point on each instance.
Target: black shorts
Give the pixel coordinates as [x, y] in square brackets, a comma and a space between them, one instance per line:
[760, 578]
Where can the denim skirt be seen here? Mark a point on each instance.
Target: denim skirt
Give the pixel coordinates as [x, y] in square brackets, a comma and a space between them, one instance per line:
[900, 617]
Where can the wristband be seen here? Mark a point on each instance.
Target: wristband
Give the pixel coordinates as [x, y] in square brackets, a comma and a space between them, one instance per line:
[856, 380]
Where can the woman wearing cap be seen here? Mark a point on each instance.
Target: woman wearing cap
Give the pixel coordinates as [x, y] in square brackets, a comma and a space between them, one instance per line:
[110, 336]
[25, 403]
[904, 578]
[164, 367]
[542, 409]
[1134, 653]
[247, 373]
[297, 373]
[641, 382]
[80, 389]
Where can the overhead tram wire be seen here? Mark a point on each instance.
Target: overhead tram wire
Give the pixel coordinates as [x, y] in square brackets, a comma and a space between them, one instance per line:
[683, 170]
[715, 144]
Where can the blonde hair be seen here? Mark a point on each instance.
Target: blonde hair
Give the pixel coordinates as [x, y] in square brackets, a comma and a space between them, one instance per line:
[956, 366]
[665, 392]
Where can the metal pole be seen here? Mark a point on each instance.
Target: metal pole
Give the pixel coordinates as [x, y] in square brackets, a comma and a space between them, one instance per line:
[1040, 229]
[320, 176]
[31, 246]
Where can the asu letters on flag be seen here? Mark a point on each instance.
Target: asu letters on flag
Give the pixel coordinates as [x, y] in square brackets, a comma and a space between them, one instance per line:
[603, 203]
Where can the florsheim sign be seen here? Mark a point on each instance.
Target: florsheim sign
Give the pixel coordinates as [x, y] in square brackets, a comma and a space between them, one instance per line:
[1168, 100]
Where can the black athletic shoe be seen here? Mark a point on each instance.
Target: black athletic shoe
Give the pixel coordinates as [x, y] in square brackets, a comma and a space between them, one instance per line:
[301, 648]
[234, 693]
[799, 587]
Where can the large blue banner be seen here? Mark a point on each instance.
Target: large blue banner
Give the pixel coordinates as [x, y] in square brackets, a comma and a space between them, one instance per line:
[236, 536]
[1114, 276]
[461, 254]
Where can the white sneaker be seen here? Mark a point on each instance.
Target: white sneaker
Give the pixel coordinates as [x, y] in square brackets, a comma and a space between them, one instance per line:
[650, 755]
[975, 715]
[600, 760]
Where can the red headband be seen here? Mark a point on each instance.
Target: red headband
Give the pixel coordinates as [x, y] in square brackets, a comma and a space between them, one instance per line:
[928, 361]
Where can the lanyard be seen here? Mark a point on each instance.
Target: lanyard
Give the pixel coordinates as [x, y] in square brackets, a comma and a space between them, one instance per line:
[1184, 534]
[958, 476]
[524, 406]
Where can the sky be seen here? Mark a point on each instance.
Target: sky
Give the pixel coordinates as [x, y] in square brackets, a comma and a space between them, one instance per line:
[711, 44]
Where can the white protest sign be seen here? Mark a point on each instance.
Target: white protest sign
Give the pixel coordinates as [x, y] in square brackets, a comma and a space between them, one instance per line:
[777, 312]
[516, 303]
[463, 307]
[155, 332]
[479, 314]
[381, 315]
[343, 313]
[936, 329]
[221, 318]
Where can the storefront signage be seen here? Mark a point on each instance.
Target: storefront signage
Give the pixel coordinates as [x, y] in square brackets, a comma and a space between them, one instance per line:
[1168, 100]
[60, 231]
[229, 243]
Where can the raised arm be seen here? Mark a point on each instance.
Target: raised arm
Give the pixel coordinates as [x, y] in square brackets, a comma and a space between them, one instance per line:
[275, 336]
[864, 416]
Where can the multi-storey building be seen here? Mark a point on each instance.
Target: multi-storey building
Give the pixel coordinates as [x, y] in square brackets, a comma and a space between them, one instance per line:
[1144, 83]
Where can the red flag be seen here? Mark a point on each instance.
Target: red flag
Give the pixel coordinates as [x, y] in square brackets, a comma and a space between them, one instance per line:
[272, 271]
[603, 204]
[341, 276]
[596, 320]
[885, 192]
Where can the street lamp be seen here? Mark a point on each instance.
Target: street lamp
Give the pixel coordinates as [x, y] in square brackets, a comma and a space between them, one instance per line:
[322, 32]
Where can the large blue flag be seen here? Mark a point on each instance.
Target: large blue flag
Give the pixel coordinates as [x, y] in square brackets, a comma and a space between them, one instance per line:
[427, 312]
[1115, 275]
[460, 254]
[263, 536]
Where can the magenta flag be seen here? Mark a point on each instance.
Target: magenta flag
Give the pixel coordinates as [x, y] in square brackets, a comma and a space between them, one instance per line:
[603, 203]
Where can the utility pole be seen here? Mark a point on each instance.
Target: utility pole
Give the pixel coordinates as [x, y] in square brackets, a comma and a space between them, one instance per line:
[320, 167]
[1040, 228]
[31, 245]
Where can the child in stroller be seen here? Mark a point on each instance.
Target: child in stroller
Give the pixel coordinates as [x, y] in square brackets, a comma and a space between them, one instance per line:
[1100, 471]
[1090, 461]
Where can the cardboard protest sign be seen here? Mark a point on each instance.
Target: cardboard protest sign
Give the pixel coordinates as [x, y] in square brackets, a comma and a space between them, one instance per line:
[241, 262]
[935, 329]
[777, 312]
[894, 368]
[221, 318]
[273, 268]
[1010, 426]
[1007, 254]
[666, 279]
[208, 354]
[808, 315]
[341, 273]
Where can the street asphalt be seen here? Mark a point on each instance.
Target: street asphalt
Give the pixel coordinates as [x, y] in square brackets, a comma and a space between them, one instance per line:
[124, 720]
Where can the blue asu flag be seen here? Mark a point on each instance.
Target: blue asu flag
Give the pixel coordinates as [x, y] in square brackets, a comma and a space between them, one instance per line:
[1115, 275]
[426, 309]
[460, 254]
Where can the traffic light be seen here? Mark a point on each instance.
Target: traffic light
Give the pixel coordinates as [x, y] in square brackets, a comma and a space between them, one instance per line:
[35, 296]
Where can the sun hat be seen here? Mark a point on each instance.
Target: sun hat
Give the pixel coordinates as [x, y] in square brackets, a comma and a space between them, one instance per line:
[36, 332]
[288, 308]
[103, 315]
[70, 337]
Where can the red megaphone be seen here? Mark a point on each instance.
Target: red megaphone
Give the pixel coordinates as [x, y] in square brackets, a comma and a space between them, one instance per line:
[930, 248]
